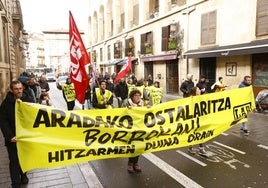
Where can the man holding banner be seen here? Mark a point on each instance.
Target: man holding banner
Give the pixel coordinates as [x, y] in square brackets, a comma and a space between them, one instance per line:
[8, 127]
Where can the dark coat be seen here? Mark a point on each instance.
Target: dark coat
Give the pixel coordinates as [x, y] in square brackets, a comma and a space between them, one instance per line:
[7, 117]
[121, 90]
[186, 87]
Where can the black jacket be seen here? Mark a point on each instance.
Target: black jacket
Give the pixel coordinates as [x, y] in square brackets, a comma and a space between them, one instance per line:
[121, 90]
[186, 87]
[7, 117]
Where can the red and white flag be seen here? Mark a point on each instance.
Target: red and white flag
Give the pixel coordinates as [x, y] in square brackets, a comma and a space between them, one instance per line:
[79, 58]
[125, 69]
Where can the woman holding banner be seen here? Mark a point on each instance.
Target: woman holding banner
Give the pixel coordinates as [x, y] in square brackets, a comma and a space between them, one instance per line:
[193, 92]
[134, 100]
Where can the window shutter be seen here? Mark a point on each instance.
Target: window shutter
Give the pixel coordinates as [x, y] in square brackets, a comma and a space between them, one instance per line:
[212, 27]
[208, 28]
[143, 38]
[126, 47]
[262, 18]
[165, 33]
[204, 29]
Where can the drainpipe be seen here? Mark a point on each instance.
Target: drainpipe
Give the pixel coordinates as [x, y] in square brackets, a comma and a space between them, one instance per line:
[9, 53]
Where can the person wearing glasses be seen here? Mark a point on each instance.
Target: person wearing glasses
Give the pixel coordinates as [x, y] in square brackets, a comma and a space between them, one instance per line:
[134, 100]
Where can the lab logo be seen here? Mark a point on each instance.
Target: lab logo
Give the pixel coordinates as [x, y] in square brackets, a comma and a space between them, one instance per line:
[240, 112]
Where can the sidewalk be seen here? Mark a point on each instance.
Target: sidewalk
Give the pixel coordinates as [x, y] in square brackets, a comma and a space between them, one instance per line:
[82, 175]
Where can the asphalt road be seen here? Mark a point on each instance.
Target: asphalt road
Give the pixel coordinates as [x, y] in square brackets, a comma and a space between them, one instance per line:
[233, 160]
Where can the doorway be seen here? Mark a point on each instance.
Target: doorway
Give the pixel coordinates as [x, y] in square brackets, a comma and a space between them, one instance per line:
[172, 77]
[207, 68]
[148, 69]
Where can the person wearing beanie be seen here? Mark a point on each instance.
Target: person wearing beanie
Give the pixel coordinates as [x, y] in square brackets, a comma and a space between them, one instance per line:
[187, 85]
[28, 94]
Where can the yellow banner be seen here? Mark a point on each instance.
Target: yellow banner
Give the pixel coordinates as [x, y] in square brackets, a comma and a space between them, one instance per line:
[50, 137]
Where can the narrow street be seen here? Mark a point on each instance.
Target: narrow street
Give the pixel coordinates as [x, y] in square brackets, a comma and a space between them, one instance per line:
[234, 160]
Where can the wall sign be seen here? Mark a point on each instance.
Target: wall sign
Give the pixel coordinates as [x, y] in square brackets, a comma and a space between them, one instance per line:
[231, 69]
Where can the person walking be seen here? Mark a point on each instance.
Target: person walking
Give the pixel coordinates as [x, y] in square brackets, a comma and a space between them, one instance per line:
[35, 87]
[150, 80]
[28, 94]
[187, 85]
[245, 83]
[68, 92]
[43, 83]
[102, 97]
[8, 128]
[121, 90]
[194, 91]
[134, 100]
[202, 85]
[155, 94]
[109, 84]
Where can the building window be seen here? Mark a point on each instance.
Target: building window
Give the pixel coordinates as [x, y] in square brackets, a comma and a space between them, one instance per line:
[94, 56]
[117, 50]
[123, 21]
[135, 20]
[208, 28]
[260, 70]
[109, 52]
[169, 39]
[178, 2]
[112, 28]
[262, 18]
[101, 54]
[129, 50]
[153, 8]
[147, 43]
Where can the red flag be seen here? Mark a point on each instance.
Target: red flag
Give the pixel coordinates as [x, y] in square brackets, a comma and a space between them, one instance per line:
[79, 58]
[123, 72]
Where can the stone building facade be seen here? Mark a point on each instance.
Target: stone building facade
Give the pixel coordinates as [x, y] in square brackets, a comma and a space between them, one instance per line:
[13, 44]
[171, 38]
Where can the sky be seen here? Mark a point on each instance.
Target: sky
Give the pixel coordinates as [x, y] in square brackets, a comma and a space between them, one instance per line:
[43, 15]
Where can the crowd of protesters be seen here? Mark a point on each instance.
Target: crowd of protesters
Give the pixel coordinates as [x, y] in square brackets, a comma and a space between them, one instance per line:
[108, 91]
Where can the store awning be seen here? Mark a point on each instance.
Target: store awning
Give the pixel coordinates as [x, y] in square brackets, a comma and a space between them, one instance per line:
[162, 57]
[125, 61]
[110, 63]
[117, 62]
[114, 62]
[103, 63]
[254, 47]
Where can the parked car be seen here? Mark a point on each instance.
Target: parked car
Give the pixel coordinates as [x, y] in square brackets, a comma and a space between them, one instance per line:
[50, 77]
[61, 80]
